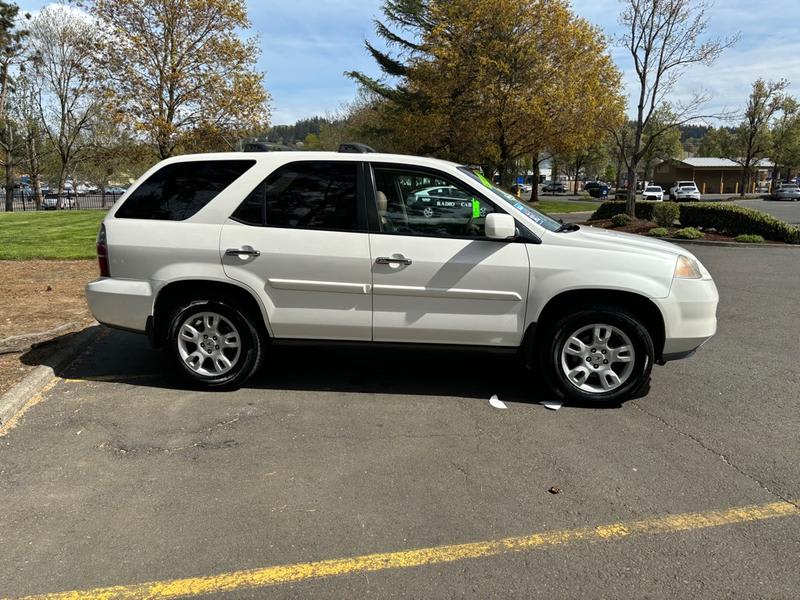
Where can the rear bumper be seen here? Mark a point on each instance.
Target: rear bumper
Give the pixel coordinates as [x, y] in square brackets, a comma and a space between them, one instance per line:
[690, 316]
[121, 303]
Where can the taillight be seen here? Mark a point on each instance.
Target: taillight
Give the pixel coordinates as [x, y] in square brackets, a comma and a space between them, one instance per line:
[102, 252]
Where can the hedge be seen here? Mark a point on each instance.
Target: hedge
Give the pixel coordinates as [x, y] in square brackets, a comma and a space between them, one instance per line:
[666, 213]
[724, 217]
[735, 220]
[644, 210]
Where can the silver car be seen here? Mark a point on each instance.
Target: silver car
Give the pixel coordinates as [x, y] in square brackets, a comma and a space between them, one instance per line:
[787, 191]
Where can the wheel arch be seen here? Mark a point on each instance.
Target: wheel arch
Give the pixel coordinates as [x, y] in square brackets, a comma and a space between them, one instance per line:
[172, 294]
[641, 306]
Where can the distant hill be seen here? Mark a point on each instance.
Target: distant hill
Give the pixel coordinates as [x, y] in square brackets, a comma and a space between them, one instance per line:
[291, 134]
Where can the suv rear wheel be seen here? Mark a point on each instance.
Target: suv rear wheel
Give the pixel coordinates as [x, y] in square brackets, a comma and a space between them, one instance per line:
[214, 344]
[603, 354]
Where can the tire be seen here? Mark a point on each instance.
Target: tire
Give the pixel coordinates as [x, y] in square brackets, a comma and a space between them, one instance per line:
[226, 350]
[606, 377]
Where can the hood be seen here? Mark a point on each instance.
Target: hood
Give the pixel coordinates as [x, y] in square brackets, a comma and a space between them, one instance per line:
[607, 239]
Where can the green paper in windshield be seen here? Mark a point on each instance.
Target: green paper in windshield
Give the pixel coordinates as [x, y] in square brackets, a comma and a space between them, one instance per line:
[483, 179]
[476, 209]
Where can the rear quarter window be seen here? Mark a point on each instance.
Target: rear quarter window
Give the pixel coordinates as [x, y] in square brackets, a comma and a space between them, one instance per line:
[178, 191]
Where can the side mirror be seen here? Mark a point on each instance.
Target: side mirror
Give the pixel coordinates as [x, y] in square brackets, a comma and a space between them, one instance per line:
[500, 226]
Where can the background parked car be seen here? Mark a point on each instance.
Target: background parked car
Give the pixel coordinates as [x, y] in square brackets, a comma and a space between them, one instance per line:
[787, 191]
[653, 193]
[523, 188]
[600, 191]
[50, 201]
[555, 186]
[683, 191]
[114, 191]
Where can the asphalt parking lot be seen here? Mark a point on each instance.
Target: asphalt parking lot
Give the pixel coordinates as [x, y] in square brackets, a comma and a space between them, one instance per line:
[116, 477]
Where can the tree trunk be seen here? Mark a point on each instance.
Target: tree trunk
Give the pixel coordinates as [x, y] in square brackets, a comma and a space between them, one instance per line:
[575, 183]
[33, 162]
[60, 190]
[630, 206]
[9, 185]
[743, 181]
[535, 181]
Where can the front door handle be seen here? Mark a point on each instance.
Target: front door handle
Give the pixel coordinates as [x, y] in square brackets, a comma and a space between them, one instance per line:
[388, 260]
[242, 252]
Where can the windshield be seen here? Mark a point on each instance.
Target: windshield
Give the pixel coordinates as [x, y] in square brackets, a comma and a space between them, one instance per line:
[653, 189]
[534, 215]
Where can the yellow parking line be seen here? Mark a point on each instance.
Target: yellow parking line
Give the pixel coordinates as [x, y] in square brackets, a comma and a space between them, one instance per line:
[32, 401]
[101, 378]
[269, 576]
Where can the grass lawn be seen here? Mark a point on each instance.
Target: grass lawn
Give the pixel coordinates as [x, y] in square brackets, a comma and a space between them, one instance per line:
[70, 234]
[554, 206]
[56, 235]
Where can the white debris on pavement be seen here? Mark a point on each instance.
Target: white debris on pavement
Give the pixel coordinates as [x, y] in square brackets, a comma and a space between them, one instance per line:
[495, 402]
[552, 404]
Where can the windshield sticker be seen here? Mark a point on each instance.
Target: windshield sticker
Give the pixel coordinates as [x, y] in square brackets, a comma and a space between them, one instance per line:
[476, 209]
[531, 214]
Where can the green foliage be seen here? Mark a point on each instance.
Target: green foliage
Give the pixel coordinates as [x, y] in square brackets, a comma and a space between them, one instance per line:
[735, 220]
[57, 235]
[291, 134]
[749, 238]
[620, 220]
[644, 210]
[666, 213]
[688, 233]
[659, 232]
[548, 206]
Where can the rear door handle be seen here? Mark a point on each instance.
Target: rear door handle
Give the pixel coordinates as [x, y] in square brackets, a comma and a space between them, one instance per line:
[388, 260]
[242, 252]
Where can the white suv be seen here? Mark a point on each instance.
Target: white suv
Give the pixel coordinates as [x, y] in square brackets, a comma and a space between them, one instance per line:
[684, 190]
[218, 256]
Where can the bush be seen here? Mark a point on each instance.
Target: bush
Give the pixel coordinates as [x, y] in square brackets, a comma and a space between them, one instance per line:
[749, 238]
[620, 220]
[666, 213]
[644, 210]
[688, 233]
[659, 232]
[735, 220]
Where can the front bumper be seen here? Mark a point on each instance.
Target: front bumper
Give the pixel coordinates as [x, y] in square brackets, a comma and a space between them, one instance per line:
[690, 316]
[121, 303]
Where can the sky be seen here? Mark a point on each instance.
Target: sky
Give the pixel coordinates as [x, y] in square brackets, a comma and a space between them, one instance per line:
[307, 45]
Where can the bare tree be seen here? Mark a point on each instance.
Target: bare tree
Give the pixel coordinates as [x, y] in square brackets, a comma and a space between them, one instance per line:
[664, 38]
[62, 42]
[25, 101]
[751, 141]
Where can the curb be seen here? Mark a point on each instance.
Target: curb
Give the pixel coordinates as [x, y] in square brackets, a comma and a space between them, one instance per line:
[727, 244]
[34, 382]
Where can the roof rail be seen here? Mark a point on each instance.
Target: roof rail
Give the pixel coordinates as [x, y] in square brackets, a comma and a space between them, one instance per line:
[355, 148]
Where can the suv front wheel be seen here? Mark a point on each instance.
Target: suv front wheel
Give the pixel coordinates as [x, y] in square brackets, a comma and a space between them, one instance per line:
[602, 354]
[214, 344]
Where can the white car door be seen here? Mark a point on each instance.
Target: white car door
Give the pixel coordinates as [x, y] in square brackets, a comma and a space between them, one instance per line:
[300, 241]
[436, 278]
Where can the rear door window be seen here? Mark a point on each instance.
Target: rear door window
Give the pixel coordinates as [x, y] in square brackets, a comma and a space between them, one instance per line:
[178, 191]
[305, 195]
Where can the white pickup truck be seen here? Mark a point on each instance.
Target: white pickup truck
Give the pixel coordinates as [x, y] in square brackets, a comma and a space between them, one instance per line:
[217, 257]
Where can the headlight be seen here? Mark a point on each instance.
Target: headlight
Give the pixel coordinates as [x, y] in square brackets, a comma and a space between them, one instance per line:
[687, 268]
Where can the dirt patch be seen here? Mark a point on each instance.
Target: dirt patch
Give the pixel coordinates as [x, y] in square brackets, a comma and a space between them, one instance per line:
[37, 296]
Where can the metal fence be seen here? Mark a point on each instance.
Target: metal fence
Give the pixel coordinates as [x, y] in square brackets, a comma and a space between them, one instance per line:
[72, 202]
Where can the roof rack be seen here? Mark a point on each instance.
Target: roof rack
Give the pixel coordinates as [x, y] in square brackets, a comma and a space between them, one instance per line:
[265, 147]
[355, 148]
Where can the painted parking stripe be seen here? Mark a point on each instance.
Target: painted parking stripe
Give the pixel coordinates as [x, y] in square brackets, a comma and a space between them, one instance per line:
[270, 576]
